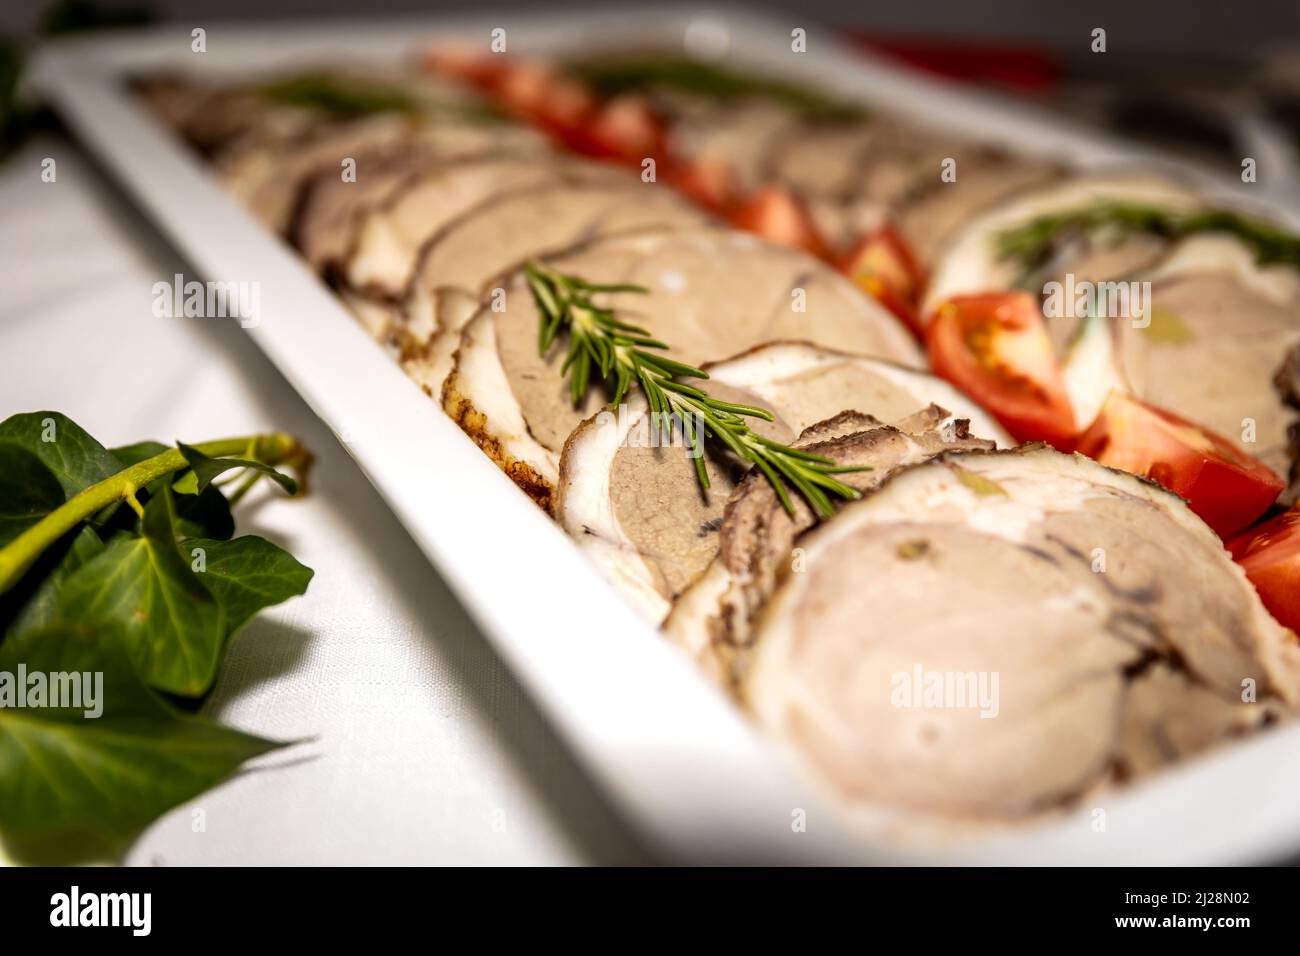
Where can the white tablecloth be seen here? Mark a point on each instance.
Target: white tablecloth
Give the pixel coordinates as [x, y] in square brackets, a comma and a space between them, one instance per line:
[425, 750]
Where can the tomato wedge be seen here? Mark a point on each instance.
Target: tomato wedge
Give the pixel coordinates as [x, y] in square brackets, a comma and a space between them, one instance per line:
[537, 93]
[882, 266]
[995, 348]
[1226, 487]
[709, 182]
[472, 66]
[777, 214]
[528, 89]
[626, 128]
[1270, 556]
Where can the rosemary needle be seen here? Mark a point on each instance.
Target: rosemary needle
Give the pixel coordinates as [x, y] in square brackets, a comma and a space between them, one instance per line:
[621, 355]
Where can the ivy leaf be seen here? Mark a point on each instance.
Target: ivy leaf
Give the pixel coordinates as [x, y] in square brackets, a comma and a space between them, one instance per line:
[204, 469]
[35, 606]
[205, 515]
[142, 588]
[72, 786]
[28, 491]
[248, 574]
[75, 459]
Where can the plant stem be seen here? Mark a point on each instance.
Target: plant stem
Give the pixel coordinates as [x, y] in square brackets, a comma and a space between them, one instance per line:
[619, 353]
[18, 555]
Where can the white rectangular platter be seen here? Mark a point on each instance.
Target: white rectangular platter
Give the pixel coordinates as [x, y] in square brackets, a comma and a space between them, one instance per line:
[672, 753]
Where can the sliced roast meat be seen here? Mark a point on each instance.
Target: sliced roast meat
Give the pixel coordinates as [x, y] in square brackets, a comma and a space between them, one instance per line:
[621, 468]
[734, 136]
[714, 618]
[991, 635]
[806, 383]
[281, 111]
[212, 118]
[710, 293]
[1218, 330]
[852, 176]
[974, 260]
[463, 260]
[268, 176]
[331, 207]
[629, 495]
[324, 228]
[390, 236]
[938, 202]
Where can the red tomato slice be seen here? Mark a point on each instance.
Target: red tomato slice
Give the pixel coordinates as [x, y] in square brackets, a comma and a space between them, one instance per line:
[1270, 556]
[568, 105]
[626, 128]
[777, 214]
[472, 66]
[883, 267]
[708, 182]
[1226, 487]
[524, 88]
[527, 88]
[995, 348]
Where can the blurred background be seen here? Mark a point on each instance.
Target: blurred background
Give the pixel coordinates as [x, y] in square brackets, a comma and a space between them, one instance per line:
[1202, 76]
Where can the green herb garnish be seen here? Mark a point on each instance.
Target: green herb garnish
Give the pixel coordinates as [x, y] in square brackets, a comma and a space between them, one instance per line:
[616, 75]
[1033, 243]
[119, 573]
[341, 98]
[620, 354]
[345, 98]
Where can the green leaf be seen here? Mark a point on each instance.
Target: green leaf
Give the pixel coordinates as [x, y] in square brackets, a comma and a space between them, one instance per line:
[143, 589]
[28, 491]
[130, 455]
[36, 606]
[75, 459]
[205, 515]
[204, 469]
[248, 574]
[75, 788]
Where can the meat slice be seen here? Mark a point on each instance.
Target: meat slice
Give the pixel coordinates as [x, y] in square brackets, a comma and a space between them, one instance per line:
[469, 256]
[807, 383]
[212, 118]
[973, 261]
[391, 235]
[268, 176]
[737, 137]
[711, 293]
[854, 176]
[934, 208]
[628, 491]
[1219, 329]
[386, 237]
[324, 228]
[714, 618]
[331, 208]
[992, 635]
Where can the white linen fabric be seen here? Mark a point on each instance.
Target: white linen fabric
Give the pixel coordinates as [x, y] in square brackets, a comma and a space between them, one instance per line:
[423, 749]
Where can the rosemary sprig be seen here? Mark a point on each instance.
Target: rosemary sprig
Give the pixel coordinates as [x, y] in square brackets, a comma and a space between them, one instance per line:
[1033, 243]
[623, 354]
